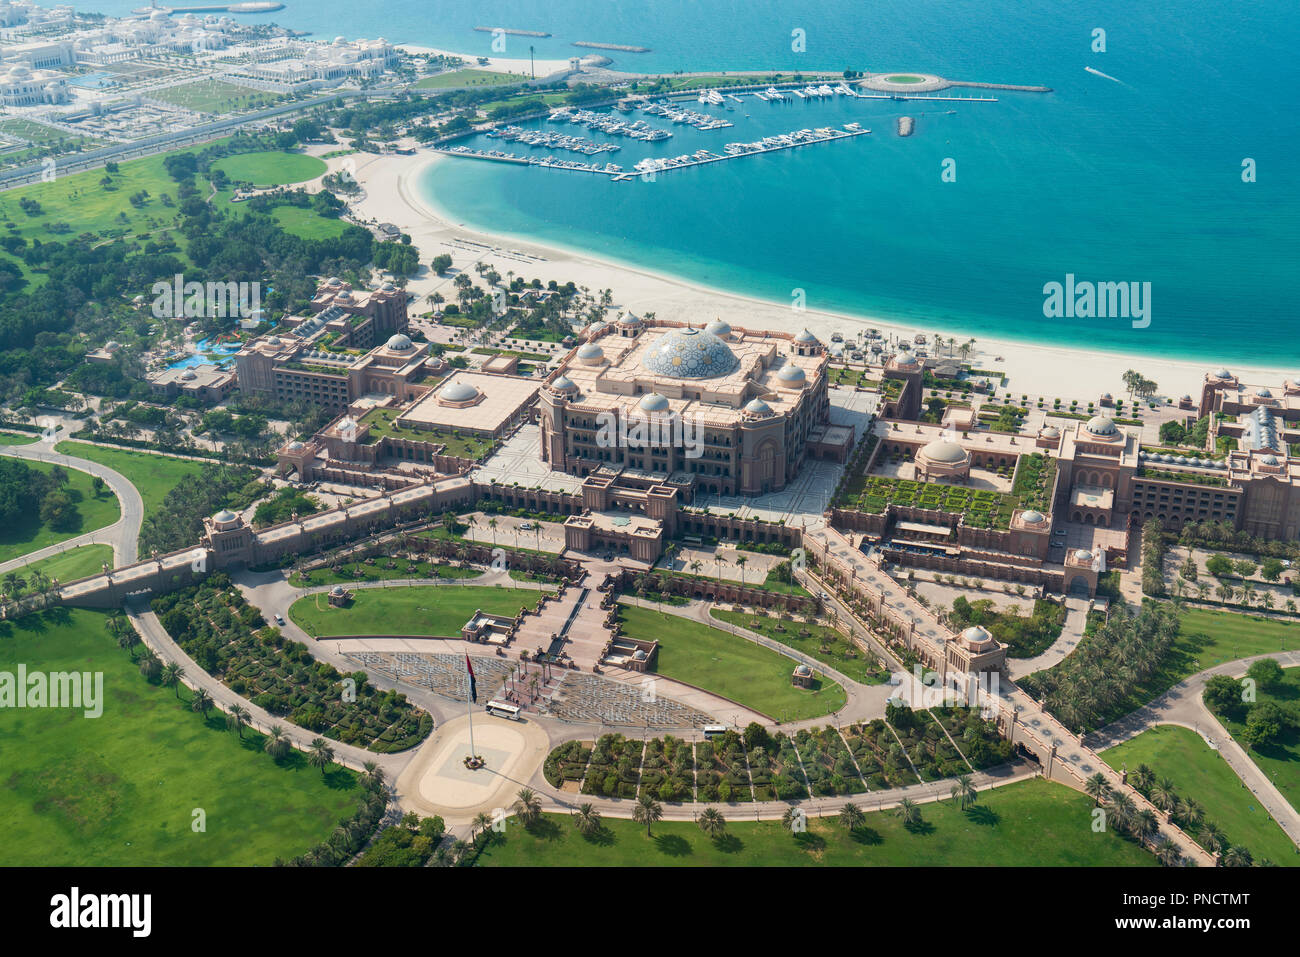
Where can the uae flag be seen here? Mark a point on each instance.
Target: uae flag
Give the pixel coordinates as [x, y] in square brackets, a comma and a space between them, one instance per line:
[473, 685]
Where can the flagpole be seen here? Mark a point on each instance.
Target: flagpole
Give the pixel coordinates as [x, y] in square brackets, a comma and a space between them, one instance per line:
[469, 710]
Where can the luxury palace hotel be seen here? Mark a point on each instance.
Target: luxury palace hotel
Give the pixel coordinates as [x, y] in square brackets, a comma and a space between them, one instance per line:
[755, 402]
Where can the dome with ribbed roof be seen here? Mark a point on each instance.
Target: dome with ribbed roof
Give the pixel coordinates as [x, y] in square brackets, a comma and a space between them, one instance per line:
[591, 354]
[653, 402]
[806, 337]
[757, 407]
[563, 384]
[1033, 517]
[400, 343]
[690, 354]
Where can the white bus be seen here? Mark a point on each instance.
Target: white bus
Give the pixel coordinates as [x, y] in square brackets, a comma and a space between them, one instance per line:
[503, 709]
[714, 730]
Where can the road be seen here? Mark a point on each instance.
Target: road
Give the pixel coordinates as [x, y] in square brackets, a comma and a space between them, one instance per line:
[1183, 705]
[123, 534]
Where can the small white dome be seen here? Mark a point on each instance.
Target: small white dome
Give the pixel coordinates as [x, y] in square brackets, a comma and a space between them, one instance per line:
[718, 328]
[653, 402]
[188, 375]
[400, 343]
[1082, 555]
[1033, 517]
[591, 354]
[225, 515]
[563, 384]
[905, 359]
[1270, 460]
[628, 319]
[757, 407]
[1100, 425]
[1223, 374]
[791, 374]
[296, 446]
[941, 451]
[805, 336]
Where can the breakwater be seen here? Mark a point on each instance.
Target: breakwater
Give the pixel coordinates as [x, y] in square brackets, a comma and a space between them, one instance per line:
[610, 46]
[513, 33]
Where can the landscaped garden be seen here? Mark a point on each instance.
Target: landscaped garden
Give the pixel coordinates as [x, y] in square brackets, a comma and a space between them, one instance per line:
[1026, 636]
[463, 444]
[373, 570]
[434, 610]
[1039, 821]
[736, 668]
[822, 642]
[1199, 788]
[982, 508]
[226, 637]
[121, 790]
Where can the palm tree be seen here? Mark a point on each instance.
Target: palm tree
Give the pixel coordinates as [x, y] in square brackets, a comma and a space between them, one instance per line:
[277, 744]
[172, 674]
[695, 566]
[790, 817]
[1237, 856]
[587, 819]
[1123, 810]
[852, 817]
[374, 775]
[1097, 788]
[908, 811]
[237, 717]
[740, 563]
[201, 702]
[711, 822]
[492, 524]
[1163, 795]
[964, 790]
[527, 806]
[320, 755]
[1143, 778]
[647, 811]
[1212, 838]
[479, 826]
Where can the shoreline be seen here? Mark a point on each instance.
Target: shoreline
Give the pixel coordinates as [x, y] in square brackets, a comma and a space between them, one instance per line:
[1036, 368]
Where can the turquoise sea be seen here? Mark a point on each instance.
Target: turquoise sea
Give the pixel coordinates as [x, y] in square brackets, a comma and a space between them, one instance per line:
[1138, 180]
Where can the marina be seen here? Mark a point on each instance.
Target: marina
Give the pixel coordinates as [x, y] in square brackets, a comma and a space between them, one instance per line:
[653, 165]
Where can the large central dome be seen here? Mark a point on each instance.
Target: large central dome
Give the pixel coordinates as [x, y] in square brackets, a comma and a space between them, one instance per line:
[690, 354]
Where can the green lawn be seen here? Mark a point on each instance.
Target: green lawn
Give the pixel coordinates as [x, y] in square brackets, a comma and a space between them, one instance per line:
[379, 572]
[152, 474]
[434, 610]
[17, 438]
[736, 668]
[270, 168]
[1201, 774]
[30, 533]
[843, 655]
[73, 564]
[79, 200]
[463, 444]
[1280, 761]
[458, 78]
[307, 224]
[1034, 821]
[216, 96]
[121, 789]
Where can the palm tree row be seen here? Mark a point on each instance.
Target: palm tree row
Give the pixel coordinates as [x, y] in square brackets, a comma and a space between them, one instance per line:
[1188, 814]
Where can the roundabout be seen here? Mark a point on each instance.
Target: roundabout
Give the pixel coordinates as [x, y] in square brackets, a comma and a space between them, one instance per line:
[905, 83]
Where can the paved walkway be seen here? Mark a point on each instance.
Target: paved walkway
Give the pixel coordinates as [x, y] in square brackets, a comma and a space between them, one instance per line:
[1076, 618]
[1183, 705]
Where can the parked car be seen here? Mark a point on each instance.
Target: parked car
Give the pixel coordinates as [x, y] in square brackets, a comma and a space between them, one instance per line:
[279, 620]
[526, 526]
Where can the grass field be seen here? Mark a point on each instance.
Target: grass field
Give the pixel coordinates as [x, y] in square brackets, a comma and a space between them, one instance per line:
[844, 656]
[717, 661]
[1280, 761]
[73, 564]
[216, 96]
[307, 224]
[17, 438]
[79, 200]
[1199, 773]
[1033, 821]
[121, 789]
[458, 78]
[153, 475]
[435, 610]
[270, 168]
[30, 533]
[378, 572]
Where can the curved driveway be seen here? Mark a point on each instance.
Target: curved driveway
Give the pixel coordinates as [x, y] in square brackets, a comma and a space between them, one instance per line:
[123, 534]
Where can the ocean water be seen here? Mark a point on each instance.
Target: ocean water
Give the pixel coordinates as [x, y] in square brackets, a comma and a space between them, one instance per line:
[1135, 181]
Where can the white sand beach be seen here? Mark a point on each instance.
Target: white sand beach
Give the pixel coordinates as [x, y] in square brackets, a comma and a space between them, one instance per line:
[1070, 373]
[501, 64]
